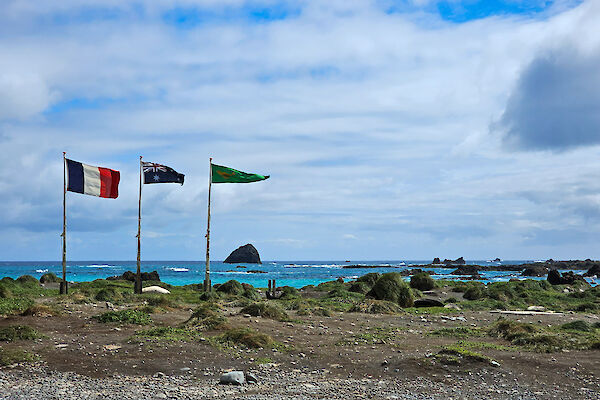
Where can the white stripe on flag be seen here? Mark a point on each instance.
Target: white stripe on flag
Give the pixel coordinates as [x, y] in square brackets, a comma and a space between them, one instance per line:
[91, 180]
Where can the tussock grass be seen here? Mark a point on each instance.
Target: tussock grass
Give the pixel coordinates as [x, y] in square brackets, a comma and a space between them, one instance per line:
[18, 332]
[130, 316]
[370, 306]
[13, 356]
[169, 334]
[266, 310]
[244, 337]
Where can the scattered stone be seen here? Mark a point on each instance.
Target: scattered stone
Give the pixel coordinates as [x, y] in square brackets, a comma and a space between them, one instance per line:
[251, 378]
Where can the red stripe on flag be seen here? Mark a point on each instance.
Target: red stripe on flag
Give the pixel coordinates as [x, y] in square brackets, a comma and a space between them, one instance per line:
[105, 182]
[114, 190]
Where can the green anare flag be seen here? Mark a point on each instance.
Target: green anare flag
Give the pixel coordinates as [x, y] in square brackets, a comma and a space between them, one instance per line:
[222, 174]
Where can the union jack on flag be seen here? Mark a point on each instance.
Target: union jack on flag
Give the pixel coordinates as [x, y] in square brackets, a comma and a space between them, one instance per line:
[158, 173]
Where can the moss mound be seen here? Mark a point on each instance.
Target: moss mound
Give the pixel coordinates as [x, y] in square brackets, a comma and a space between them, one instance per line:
[109, 294]
[27, 280]
[579, 325]
[391, 287]
[5, 293]
[370, 278]
[422, 281]
[49, 277]
[207, 316]
[18, 332]
[231, 287]
[359, 287]
[474, 293]
[288, 292]
[370, 306]
[247, 337]
[266, 310]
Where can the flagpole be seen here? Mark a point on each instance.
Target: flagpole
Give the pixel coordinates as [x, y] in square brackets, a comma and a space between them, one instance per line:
[138, 277]
[207, 285]
[63, 284]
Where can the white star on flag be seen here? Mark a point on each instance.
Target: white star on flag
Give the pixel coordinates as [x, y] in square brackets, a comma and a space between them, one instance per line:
[156, 177]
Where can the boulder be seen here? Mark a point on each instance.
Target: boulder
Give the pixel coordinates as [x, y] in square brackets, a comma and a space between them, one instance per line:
[428, 303]
[233, 378]
[535, 270]
[436, 261]
[244, 254]
[155, 289]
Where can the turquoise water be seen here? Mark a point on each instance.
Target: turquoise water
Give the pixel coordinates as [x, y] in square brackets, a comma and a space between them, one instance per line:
[292, 273]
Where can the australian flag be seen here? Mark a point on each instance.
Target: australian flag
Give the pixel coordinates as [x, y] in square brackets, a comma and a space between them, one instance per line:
[157, 173]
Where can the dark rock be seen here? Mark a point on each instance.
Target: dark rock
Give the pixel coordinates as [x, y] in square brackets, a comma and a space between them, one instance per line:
[593, 271]
[244, 254]
[251, 378]
[130, 276]
[497, 259]
[466, 270]
[256, 271]
[436, 261]
[568, 278]
[428, 303]
[535, 270]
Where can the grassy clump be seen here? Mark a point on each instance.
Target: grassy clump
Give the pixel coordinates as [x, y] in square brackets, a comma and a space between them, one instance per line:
[329, 286]
[359, 287]
[266, 310]
[250, 292]
[579, 325]
[169, 333]
[5, 292]
[422, 281]
[391, 287]
[376, 335]
[474, 292]
[161, 301]
[27, 280]
[231, 287]
[245, 337]
[49, 277]
[289, 292]
[13, 306]
[543, 339]
[458, 353]
[370, 306]
[130, 316]
[40, 310]
[18, 332]
[458, 332]
[13, 356]
[109, 294]
[207, 316]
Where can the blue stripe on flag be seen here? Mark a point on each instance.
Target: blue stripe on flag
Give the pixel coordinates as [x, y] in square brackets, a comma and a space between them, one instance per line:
[75, 175]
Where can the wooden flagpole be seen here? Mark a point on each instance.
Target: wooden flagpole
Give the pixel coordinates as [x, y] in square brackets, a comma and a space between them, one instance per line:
[63, 284]
[138, 277]
[207, 285]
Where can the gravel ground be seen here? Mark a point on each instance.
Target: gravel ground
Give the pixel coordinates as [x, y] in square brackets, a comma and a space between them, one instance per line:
[39, 382]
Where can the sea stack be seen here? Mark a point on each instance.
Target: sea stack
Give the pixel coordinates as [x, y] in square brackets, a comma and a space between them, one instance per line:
[244, 254]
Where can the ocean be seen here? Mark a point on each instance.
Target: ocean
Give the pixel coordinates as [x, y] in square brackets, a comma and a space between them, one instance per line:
[290, 273]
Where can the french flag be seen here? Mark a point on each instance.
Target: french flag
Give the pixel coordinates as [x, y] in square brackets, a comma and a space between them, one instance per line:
[95, 181]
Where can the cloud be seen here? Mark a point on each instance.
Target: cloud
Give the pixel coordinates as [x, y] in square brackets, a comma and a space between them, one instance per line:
[556, 103]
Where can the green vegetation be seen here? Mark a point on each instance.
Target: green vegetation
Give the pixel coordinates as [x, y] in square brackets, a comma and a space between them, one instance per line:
[231, 287]
[458, 332]
[168, 333]
[18, 295]
[263, 360]
[129, 316]
[244, 337]
[18, 332]
[370, 306]
[207, 316]
[391, 287]
[13, 356]
[50, 277]
[376, 335]
[27, 280]
[543, 339]
[266, 310]
[458, 353]
[422, 281]
[40, 310]
[110, 294]
[474, 292]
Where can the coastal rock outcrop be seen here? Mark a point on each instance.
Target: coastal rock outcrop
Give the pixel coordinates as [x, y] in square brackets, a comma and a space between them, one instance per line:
[244, 254]
[436, 261]
[568, 278]
[466, 270]
[458, 261]
[535, 270]
[594, 271]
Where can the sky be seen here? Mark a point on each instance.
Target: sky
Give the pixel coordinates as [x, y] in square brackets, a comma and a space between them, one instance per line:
[391, 129]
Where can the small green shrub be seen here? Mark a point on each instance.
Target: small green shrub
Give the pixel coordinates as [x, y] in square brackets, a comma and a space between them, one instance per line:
[13, 356]
[250, 292]
[579, 325]
[231, 287]
[207, 316]
[473, 293]
[391, 287]
[370, 306]
[359, 287]
[266, 310]
[137, 317]
[289, 292]
[109, 294]
[369, 278]
[5, 293]
[27, 280]
[422, 281]
[246, 337]
[169, 333]
[49, 277]
[18, 332]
